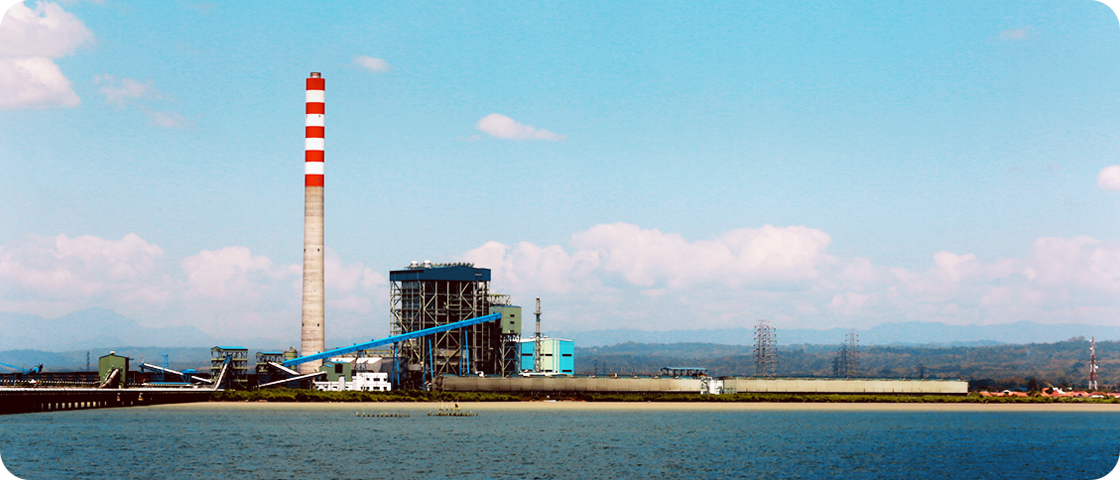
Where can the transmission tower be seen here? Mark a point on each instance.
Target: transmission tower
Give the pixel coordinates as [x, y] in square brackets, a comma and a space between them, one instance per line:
[1093, 364]
[765, 349]
[847, 358]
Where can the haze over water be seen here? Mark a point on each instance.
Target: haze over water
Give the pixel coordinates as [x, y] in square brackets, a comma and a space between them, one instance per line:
[561, 440]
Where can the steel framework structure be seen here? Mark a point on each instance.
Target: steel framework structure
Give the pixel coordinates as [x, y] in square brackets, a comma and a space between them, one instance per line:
[765, 349]
[419, 301]
[846, 363]
[1093, 364]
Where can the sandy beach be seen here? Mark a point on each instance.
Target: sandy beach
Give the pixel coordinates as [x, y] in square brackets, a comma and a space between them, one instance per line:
[653, 406]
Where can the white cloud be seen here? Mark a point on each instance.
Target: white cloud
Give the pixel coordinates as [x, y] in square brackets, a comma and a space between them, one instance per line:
[34, 82]
[126, 92]
[1014, 34]
[354, 287]
[608, 276]
[621, 275]
[59, 273]
[1083, 263]
[29, 41]
[225, 292]
[45, 31]
[1109, 178]
[121, 91]
[371, 64]
[525, 267]
[500, 126]
[767, 256]
[231, 272]
[168, 120]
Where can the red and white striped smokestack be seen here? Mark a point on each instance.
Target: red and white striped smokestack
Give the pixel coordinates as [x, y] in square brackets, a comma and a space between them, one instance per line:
[312, 336]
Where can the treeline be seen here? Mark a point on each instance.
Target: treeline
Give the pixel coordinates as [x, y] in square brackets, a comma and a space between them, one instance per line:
[1060, 364]
[301, 395]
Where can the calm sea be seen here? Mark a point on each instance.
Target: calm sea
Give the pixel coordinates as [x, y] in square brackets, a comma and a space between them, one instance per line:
[270, 441]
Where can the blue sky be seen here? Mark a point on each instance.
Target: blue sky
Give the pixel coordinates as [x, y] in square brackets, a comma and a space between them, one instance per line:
[642, 165]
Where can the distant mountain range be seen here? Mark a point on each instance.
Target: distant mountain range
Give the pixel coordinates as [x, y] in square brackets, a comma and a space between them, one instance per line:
[957, 351]
[90, 328]
[97, 329]
[902, 333]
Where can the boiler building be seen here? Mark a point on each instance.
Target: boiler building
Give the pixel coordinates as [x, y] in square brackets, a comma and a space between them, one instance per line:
[426, 295]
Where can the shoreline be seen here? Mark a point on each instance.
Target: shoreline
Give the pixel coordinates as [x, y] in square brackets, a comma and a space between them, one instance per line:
[561, 405]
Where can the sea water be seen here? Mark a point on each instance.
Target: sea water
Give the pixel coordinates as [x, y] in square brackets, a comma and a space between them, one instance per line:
[555, 441]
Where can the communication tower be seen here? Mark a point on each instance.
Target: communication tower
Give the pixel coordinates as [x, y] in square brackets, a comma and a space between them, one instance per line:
[765, 349]
[537, 340]
[1093, 364]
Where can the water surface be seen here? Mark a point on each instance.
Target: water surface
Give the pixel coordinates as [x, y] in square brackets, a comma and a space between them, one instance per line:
[547, 441]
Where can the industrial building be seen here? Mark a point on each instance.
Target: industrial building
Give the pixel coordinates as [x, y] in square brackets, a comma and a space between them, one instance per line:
[557, 356]
[238, 357]
[429, 295]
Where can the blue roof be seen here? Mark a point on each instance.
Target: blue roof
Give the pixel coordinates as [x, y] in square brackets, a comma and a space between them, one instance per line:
[453, 273]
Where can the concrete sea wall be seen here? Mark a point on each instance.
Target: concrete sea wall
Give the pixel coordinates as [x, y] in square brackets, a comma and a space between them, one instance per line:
[692, 385]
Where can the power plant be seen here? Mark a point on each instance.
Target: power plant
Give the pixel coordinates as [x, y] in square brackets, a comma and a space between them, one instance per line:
[448, 331]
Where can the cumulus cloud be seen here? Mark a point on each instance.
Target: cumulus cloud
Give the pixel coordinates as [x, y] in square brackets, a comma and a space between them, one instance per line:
[1015, 34]
[56, 274]
[229, 291]
[607, 276]
[1109, 178]
[371, 64]
[30, 40]
[500, 126]
[622, 275]
[353, 287]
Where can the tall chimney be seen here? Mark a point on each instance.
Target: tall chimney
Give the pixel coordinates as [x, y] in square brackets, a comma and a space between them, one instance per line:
[311, 340]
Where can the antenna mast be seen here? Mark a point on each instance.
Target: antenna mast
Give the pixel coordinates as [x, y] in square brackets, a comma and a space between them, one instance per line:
[537, 339]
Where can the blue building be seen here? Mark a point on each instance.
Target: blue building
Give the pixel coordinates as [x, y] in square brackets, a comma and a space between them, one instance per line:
[557, 356]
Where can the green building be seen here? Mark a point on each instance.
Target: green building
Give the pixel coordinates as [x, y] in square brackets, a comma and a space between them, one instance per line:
[107, 364]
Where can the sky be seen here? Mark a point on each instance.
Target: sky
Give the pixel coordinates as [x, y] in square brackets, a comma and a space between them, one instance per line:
[645, 165]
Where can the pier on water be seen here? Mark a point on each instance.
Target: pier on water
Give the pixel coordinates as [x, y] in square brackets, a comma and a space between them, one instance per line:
[46, 399]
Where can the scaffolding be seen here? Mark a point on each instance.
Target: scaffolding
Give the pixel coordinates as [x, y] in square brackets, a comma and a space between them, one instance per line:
[765, 349]
[431, 295]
